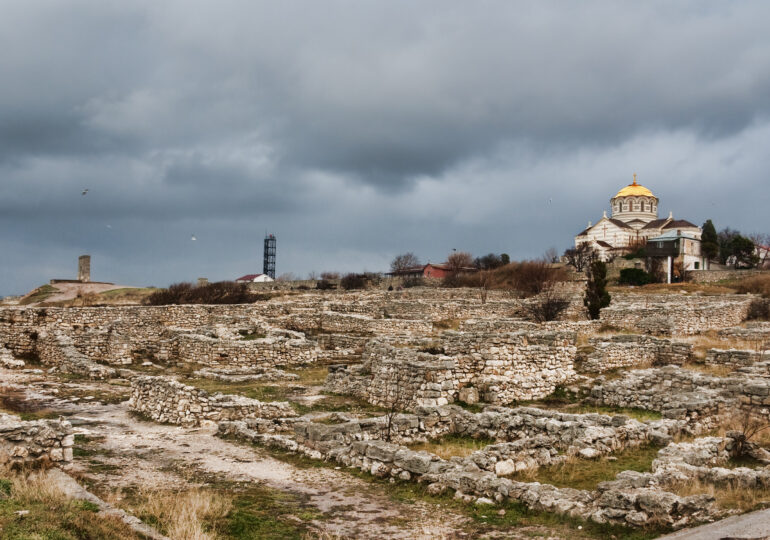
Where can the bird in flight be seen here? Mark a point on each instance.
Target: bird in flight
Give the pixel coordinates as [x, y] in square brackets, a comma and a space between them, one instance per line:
[193, 238]
[84, 192]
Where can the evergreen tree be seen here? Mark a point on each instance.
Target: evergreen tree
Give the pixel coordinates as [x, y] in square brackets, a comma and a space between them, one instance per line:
[596, 296]
[709, 241]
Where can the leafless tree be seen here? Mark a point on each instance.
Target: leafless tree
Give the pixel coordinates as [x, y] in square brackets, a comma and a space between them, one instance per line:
[398, 397]
[485, 280]
[459, 261]
[329, 276]
[581, 256]
[547, 306]
[551, 255]
[748, 425]
[405, 261]
[286, 276]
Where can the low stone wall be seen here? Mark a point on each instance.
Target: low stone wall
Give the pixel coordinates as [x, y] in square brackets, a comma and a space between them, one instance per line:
[675, 314]
[168, 401]
[35, 442]
[712, 276]
[480, 477]
[268, 351]
[751, 331]
[501, 367]
[58, 351]
[733, 357]
[633, 350]
[681, 393]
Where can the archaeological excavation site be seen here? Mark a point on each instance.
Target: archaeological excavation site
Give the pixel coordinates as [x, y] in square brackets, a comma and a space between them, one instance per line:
[420, 412]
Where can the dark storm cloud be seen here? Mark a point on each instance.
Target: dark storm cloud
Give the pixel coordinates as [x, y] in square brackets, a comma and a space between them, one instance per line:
[359, 129]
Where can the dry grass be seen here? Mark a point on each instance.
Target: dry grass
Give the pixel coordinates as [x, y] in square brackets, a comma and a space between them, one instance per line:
[446, 324]
[730, 495]
[715, 370]
[711, 340]
[51, 514]
[578, 473]
[311, 376]
[183, 516]
[452, 446]
[755, 285]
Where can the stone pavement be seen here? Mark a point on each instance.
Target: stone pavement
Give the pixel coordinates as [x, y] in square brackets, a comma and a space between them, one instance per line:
[754, 526]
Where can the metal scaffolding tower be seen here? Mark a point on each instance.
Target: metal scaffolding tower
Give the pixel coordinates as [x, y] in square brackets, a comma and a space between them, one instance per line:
[268, 266]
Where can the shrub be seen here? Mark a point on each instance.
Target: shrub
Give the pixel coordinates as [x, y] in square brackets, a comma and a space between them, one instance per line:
[412, 282]
[528, 277]
[325, 285]
[223, 292]
[354, 281]
[759, 309]
[547, 307]
[634, 276]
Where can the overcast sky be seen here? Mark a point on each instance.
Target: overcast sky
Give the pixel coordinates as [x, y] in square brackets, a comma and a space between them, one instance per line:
[356, 130]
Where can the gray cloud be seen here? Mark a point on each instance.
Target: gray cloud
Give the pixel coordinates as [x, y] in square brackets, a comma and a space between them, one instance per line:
[358, 130]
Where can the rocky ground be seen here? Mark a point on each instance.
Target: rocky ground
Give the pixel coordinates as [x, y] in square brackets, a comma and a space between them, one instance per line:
[120, 453]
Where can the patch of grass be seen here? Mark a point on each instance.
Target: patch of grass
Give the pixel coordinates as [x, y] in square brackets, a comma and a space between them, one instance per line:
[253, 390]
[52, 516]
[126, 295]
[339, 403]
[251, 336]
[731, 495]
[446, 324]
[470, 407]
[715, 370]
[310, 376]
[586, 474]
[39, 295]
[452, 445]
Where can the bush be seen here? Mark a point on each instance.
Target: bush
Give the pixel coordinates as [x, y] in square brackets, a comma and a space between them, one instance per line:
[223, 292]
[408, 283]
[353, 281]
[528, 277]
[634, 276]
[759, 310]
[547, 307]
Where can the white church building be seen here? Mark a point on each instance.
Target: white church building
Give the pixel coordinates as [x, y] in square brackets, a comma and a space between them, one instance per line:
[635, 222]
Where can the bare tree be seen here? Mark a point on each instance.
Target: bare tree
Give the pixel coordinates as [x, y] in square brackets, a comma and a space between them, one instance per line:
[286, 276]
[398, 397]
[405, 261]
[746, 426]
[312, 275]
[551, 255]
[459, 261]
[547, 306]
[581, 256]
[329, 276]
[485, 280]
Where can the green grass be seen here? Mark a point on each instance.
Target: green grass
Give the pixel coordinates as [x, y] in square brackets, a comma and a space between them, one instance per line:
[339, 403]
[587, 474]
[39, 295]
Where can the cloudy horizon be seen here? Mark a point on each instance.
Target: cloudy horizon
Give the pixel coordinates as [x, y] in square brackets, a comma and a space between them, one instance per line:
[357, 130]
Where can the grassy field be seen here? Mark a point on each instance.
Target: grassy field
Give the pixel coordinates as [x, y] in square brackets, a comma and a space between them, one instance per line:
[39, 295]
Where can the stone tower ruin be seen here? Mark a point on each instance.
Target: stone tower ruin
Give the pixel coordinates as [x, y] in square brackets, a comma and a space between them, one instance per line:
[84, 268]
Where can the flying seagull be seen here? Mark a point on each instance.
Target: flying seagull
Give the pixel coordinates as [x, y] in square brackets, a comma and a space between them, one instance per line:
[85, 191]
[193, 238]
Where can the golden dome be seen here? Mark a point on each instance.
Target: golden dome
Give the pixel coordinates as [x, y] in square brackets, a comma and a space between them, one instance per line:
[634, 190]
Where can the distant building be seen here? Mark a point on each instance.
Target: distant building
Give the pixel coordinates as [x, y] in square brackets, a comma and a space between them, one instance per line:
[635, 222]
[254, 278]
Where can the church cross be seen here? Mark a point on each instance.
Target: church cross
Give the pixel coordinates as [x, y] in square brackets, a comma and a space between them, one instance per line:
[634, 178]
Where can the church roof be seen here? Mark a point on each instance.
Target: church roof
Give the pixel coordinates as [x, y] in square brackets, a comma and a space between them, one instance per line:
[679, 224]
[621, 224]
[633, 190]
[656, 224]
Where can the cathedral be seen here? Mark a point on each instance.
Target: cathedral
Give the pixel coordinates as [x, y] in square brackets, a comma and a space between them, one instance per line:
[634, 223]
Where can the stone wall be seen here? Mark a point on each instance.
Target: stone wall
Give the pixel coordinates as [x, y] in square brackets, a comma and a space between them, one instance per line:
[502, 367]
[633, 350]
[168, 401]
[734, 357]
[712, 276]
[675, 314]
[35, 442]
[481, 477]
